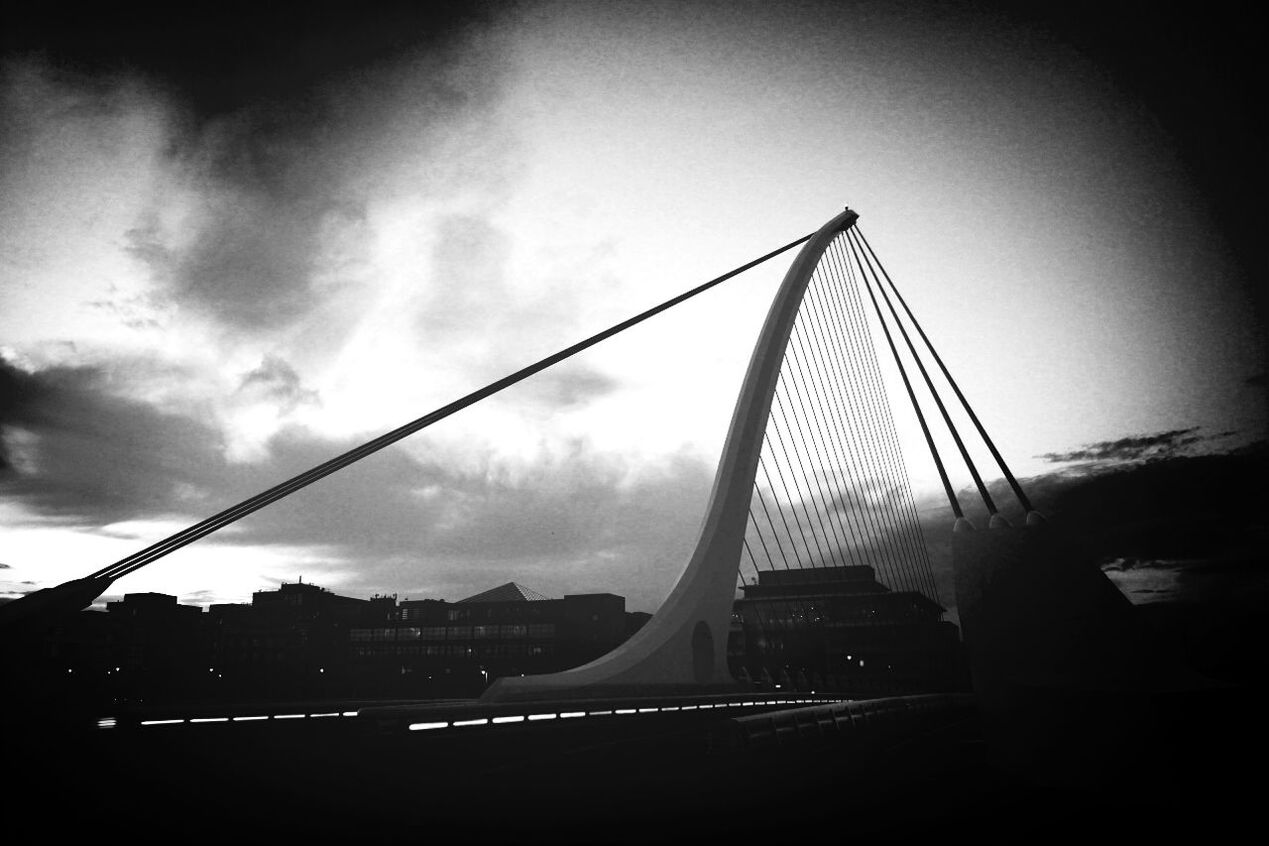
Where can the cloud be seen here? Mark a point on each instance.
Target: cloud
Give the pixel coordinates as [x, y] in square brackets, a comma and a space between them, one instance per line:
[468, 276]
[251, 211]
[853, 520]
[566, 520]
[250, 263]
[18, 392]
[75, 449]
[276, 381]
[140, 311]
[267, 211]
[471, 294]
[277, 56]
[566, 387]
[268, 237]
[1135, 448]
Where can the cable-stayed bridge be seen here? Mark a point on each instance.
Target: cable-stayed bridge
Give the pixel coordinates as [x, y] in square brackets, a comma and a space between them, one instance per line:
[812, 499]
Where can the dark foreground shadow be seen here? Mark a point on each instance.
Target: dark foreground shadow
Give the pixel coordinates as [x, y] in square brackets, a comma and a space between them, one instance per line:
[344, 781]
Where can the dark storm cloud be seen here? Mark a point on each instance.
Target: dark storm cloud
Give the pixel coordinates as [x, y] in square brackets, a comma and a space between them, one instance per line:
[1179, 507]
[250, 264]
[1258, 381]
[1134, 448]
[75, 450]
[273, 176]
[19, 391]
[222, 57]
[272, 196]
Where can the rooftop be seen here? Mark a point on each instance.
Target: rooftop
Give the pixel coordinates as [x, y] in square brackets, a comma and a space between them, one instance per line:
[510, 592]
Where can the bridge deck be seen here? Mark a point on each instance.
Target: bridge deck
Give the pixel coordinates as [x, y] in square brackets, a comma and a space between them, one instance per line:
[663, 778]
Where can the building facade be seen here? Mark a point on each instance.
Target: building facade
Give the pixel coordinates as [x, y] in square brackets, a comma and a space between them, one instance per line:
[459, 647]
[839, 629]
[292, 641]
[828, 629]
[300, 641]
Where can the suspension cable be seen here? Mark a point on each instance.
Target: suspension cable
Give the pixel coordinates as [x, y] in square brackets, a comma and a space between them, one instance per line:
[916, 406]
[217, 521]
[982, 431]
[938, 400]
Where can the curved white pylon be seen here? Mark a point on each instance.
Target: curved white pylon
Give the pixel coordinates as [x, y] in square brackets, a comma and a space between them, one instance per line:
[685, 644]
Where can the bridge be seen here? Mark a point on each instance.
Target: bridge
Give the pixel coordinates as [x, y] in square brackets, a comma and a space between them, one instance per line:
[695, 717]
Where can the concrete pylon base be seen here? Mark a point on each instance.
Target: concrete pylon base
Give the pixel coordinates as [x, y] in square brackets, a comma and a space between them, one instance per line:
[1065, 680]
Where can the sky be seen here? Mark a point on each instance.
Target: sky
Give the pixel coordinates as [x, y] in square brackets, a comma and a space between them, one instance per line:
[234, 244]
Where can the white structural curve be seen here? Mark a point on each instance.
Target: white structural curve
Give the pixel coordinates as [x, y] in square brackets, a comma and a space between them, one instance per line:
[684, 645]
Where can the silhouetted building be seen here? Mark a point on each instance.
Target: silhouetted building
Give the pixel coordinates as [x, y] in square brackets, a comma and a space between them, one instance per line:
[636, 620]
[301, 641]
[839, 629]
[155, 647]
[507, 630]
[290, 641]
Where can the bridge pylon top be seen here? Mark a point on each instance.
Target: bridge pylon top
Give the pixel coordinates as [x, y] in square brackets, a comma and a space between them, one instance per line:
[846, 219]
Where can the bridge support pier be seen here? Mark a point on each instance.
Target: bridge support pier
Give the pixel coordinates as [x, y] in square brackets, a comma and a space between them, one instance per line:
[1068, 687]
